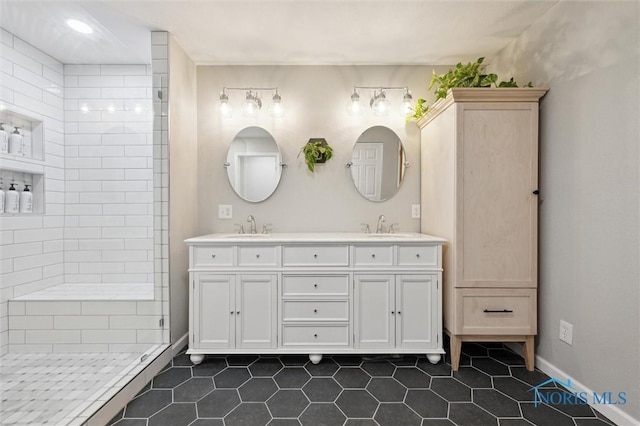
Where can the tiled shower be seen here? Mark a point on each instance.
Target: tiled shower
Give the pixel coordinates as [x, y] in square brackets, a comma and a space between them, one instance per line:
[85, 278]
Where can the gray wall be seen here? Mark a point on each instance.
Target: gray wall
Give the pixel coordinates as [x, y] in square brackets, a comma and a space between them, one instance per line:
[315, 98]
[588, 54]
[183, 183]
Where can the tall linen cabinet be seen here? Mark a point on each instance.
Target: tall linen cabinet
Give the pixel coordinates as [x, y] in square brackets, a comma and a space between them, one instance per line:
[479, 150]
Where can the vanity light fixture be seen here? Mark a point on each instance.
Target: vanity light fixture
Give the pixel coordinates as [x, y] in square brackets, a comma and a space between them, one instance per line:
[379, 102]
[252, 102]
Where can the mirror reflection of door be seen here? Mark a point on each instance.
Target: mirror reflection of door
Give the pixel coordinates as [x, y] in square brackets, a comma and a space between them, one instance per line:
[253, 164]
[256, 175]
[366, 169]
[378, 163]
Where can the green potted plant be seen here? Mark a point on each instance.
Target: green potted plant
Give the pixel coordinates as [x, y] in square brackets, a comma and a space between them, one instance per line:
[469, 75]
[317, 150]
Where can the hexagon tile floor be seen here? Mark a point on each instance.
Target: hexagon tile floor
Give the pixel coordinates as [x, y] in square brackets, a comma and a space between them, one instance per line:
[491, 388]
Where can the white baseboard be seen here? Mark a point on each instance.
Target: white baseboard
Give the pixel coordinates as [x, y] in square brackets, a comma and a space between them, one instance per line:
[612, 412]
[179, 344]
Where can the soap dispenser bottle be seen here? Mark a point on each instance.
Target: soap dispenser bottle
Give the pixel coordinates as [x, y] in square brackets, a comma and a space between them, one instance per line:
[12, 200]
[4, 140]
[1, 198]
[26, 200]
[16, 142]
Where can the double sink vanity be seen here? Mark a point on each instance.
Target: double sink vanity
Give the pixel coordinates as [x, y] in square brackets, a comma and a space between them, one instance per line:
[315, 294]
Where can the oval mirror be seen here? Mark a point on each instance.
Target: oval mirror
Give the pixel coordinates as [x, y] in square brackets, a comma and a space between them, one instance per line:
[378, 163]
[254, 164]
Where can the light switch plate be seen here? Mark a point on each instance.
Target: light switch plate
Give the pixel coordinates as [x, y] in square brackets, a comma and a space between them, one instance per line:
[225, 211]
[415, 211]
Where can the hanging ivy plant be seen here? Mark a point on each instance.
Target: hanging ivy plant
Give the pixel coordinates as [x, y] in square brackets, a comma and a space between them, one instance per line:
[317, 150]
[469, 75]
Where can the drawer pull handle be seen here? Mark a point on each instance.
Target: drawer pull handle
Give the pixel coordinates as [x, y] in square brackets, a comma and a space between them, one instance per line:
[315, 256]
[315, 286]
[315, 336]
[213, 256]
[257, 256]
[418, 255]
[373, 256]
[498, 311]
[315, 311]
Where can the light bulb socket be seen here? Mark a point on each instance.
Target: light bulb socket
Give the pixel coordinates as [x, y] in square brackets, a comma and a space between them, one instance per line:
[407, 98]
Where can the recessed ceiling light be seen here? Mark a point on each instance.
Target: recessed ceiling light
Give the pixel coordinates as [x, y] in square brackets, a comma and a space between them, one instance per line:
[79, 26]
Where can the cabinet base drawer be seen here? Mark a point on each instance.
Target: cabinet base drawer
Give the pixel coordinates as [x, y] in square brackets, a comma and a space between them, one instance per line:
[315, 335]
[317, 285]
[315, 310]
[496, 311]
[212, 256]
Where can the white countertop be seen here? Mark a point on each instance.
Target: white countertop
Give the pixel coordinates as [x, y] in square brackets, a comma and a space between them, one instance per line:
[316, 237]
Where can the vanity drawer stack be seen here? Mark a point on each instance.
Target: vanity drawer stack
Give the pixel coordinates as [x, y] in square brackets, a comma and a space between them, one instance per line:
[315, 308]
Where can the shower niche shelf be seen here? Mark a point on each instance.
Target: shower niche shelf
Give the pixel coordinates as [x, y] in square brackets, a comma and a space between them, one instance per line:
[20, 178]
[32, 131]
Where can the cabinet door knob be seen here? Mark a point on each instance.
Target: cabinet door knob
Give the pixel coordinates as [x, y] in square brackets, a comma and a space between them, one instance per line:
[418, 255]
[257, 256]
[393, 312]
[536, 192]
[231, 313]
[213, 256]
[399, 313]
[237, 312]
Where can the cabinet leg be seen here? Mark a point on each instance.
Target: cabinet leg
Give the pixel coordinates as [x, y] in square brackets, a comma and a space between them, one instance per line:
[529, 353]
[196, 358]
[315, 358]
[433, 358]
[455, 346]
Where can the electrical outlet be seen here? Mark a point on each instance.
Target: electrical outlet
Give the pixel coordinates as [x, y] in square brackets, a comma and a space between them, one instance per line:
[566, 332]
[225, 211]
[415, 211]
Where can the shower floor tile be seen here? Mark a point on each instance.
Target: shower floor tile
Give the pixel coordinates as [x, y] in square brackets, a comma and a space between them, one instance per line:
[48, 388]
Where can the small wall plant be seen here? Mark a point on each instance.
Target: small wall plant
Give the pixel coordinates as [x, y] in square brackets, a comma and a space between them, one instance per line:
[469, 75]
[317, 150]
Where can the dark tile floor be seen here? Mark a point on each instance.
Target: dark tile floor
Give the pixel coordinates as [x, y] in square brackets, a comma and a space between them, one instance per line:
[492, 387]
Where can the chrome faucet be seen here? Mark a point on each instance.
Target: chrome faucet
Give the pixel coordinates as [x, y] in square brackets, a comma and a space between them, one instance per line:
[251, 219]
[381, 219]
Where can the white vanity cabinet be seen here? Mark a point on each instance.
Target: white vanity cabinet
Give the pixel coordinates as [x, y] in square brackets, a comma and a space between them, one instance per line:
[315, 294]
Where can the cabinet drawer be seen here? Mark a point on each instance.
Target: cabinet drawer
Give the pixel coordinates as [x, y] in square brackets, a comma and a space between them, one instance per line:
[331, 255]
[318, 285]
[497, 311]
[212, 256]
[312, 335]
[373, 255]
[320, 310]
[417, 256]
[257, 256]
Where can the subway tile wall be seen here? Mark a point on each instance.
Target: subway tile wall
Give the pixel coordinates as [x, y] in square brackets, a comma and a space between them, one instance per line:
[31, 246]
[108, 222]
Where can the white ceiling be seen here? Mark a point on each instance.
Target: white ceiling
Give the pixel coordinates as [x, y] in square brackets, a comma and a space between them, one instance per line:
[295, 32]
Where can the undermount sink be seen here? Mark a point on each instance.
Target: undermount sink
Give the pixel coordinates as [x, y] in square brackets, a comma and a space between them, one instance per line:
[245, 235]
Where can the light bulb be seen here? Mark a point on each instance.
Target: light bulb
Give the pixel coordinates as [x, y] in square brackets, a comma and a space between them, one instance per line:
[224, 106]
[276, 109]
[354, 107]
[407, 104]
[251, 105]
[380, 104]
